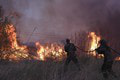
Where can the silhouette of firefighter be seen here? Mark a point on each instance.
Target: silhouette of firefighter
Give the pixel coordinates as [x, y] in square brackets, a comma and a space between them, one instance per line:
[108, 58]
[71, 54]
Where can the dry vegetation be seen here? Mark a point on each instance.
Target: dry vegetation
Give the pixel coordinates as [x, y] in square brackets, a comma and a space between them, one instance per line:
[36, 70]
[51, 70]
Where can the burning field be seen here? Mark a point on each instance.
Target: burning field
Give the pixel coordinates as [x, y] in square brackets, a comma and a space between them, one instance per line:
[12, 49]
[47, 60]
[40, 54]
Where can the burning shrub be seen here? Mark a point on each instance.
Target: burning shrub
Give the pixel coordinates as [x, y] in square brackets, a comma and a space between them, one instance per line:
[9, 46]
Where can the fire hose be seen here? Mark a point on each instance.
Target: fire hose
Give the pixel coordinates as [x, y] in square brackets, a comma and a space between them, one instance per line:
[84, 50]
[95, 50]
[114, 51]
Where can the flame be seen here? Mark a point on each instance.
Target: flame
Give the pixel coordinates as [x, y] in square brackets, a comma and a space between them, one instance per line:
[93, 42]
[52, 51]
[12, 36]
[12, 50]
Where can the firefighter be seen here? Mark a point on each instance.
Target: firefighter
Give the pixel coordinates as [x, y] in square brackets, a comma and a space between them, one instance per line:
[71, 54]
[108, 58]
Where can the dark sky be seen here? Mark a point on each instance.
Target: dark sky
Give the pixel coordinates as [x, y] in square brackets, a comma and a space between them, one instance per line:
[58, 19]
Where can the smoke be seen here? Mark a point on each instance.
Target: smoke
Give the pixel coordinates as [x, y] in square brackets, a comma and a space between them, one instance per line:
[58, 19]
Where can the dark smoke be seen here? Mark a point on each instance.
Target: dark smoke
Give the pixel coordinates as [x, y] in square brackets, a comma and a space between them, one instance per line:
[58, 19]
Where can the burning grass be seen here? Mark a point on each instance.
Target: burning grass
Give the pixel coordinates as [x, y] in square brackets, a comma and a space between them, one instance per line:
[54, 51]
[39, 66]
[11, 49]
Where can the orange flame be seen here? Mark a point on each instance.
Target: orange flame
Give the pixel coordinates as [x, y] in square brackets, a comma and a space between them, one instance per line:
[12, 36]
[16, 51]
[93, 42]
[52, 51]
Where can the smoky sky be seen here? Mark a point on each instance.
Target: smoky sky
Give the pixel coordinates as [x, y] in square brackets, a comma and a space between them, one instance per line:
[58, 19]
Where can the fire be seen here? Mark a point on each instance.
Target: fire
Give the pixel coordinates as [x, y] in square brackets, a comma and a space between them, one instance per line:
[10, 30]
[93, 42]
[10, 48]
[52, 51]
